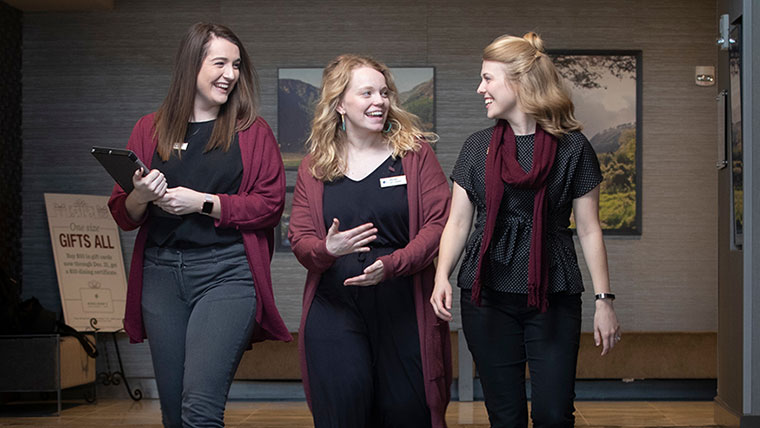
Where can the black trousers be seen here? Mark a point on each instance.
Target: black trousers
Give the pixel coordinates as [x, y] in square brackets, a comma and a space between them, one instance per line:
[363, 357]
[502, 334]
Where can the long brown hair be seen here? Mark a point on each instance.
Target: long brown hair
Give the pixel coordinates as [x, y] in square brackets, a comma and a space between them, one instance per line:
[237, 114]
[535, 80]
[326, 143]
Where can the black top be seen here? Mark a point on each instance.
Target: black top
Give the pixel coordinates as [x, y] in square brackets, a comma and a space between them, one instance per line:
[575, 172]
[355, 203]
[214, 172]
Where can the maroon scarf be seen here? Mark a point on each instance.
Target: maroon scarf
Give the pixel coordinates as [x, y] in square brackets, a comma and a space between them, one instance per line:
[502, 167]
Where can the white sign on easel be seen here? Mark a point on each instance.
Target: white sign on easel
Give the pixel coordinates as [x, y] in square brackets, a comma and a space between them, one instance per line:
[88, 261]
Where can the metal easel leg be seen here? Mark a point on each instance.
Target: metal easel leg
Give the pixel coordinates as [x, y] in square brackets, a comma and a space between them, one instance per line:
[116, 377]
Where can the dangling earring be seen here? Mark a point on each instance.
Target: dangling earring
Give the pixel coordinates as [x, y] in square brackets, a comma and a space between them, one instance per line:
[342, 122]
[388, 128]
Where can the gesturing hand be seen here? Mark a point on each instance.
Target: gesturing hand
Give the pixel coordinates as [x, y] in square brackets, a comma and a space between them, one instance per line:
[150, 187]
[349, 241]
[373, 274]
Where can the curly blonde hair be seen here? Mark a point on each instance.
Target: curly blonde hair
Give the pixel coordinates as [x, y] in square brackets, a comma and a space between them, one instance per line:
[326, 142]
[535, 80]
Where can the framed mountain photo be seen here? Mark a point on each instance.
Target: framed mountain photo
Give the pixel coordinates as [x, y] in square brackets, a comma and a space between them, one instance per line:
[298, 90]
[606, 90]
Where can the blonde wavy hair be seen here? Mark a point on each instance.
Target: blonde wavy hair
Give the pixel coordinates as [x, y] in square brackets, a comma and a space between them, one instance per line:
[535, 80]
[326, 143]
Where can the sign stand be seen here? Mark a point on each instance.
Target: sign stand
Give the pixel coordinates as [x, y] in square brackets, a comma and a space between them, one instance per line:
[110, 377]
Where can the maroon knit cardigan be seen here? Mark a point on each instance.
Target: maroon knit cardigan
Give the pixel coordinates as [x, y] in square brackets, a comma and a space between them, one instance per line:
[428, 196]
[254, 211]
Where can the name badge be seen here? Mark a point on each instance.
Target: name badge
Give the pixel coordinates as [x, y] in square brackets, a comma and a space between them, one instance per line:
[178, 146]
[398, 180]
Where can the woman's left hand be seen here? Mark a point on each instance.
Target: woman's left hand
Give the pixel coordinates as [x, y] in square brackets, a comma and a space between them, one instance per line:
[606, 327]
[181, 201]
[372, 275]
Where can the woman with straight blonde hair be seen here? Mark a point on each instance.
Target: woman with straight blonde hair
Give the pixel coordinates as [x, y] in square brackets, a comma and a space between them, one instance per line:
[369, 206]
[520, 281]
[199, 285]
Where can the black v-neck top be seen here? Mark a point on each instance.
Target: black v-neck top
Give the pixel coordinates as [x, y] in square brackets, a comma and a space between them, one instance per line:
[214, 172]
[575, 172]
[355, 203]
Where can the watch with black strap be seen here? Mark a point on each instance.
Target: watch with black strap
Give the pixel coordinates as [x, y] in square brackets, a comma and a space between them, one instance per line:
[208, 204]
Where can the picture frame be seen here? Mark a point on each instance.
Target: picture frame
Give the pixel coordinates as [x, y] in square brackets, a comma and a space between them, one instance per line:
[298, 91]
[281, 241]
[735, 133]
[606, 88]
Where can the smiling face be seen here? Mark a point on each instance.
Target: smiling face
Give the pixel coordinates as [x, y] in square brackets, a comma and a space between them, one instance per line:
[365, 102]
[217, 77]
[500, 99]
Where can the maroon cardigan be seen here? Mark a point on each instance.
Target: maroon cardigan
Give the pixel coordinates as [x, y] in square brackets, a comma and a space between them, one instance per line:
[428, 194]
[255, 211]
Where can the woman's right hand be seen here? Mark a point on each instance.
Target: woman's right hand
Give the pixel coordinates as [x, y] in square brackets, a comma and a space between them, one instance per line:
[349, 241]
[441, 299]
[150, 187]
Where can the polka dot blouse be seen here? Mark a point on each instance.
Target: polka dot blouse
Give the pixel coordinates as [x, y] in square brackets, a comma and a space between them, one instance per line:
[575, 173]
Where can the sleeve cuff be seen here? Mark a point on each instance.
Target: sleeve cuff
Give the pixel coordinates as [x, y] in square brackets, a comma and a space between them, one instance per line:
[388, 267]
[224, 218]
[135, 224]
[326, 256]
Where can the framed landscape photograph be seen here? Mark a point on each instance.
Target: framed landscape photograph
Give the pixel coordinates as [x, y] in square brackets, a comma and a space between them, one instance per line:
[737, 151]
[298, 91]
[281, 242]
[606, 90]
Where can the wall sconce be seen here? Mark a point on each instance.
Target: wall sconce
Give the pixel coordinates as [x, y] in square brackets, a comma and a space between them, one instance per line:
[724, 41]
[704, 75]
[723, 35]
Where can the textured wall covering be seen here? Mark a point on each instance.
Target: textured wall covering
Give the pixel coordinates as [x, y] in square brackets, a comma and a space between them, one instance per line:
[10, 139]
[88, 76]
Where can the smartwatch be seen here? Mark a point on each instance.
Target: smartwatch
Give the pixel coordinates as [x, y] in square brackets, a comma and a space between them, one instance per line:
[208, 204]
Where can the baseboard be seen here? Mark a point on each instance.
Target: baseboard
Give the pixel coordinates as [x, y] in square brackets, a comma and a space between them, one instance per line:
[725, 416]
[640, 355]
[645, 355]
[585, 390]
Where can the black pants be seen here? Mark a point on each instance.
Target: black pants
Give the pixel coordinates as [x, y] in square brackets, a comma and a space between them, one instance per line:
[363, 357]
[502, 334]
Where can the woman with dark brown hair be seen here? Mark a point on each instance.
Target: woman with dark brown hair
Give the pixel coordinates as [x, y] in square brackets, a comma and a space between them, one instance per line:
[520, 281]
[369, 206]
[199, 284]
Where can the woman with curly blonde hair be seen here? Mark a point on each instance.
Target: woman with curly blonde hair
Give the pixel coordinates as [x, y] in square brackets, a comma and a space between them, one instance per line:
[369, 207]
[520, 281]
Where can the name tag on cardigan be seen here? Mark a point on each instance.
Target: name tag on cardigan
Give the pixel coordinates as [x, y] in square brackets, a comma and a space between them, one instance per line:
[178, 146]
[398, 180]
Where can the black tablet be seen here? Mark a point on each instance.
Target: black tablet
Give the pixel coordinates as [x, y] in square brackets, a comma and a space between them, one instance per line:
[121, 164]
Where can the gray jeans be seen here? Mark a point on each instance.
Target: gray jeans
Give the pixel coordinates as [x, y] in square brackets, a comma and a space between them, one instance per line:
[199, 308]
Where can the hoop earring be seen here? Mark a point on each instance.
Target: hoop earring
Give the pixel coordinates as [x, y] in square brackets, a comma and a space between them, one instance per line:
[342, 122]
[388, 128]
